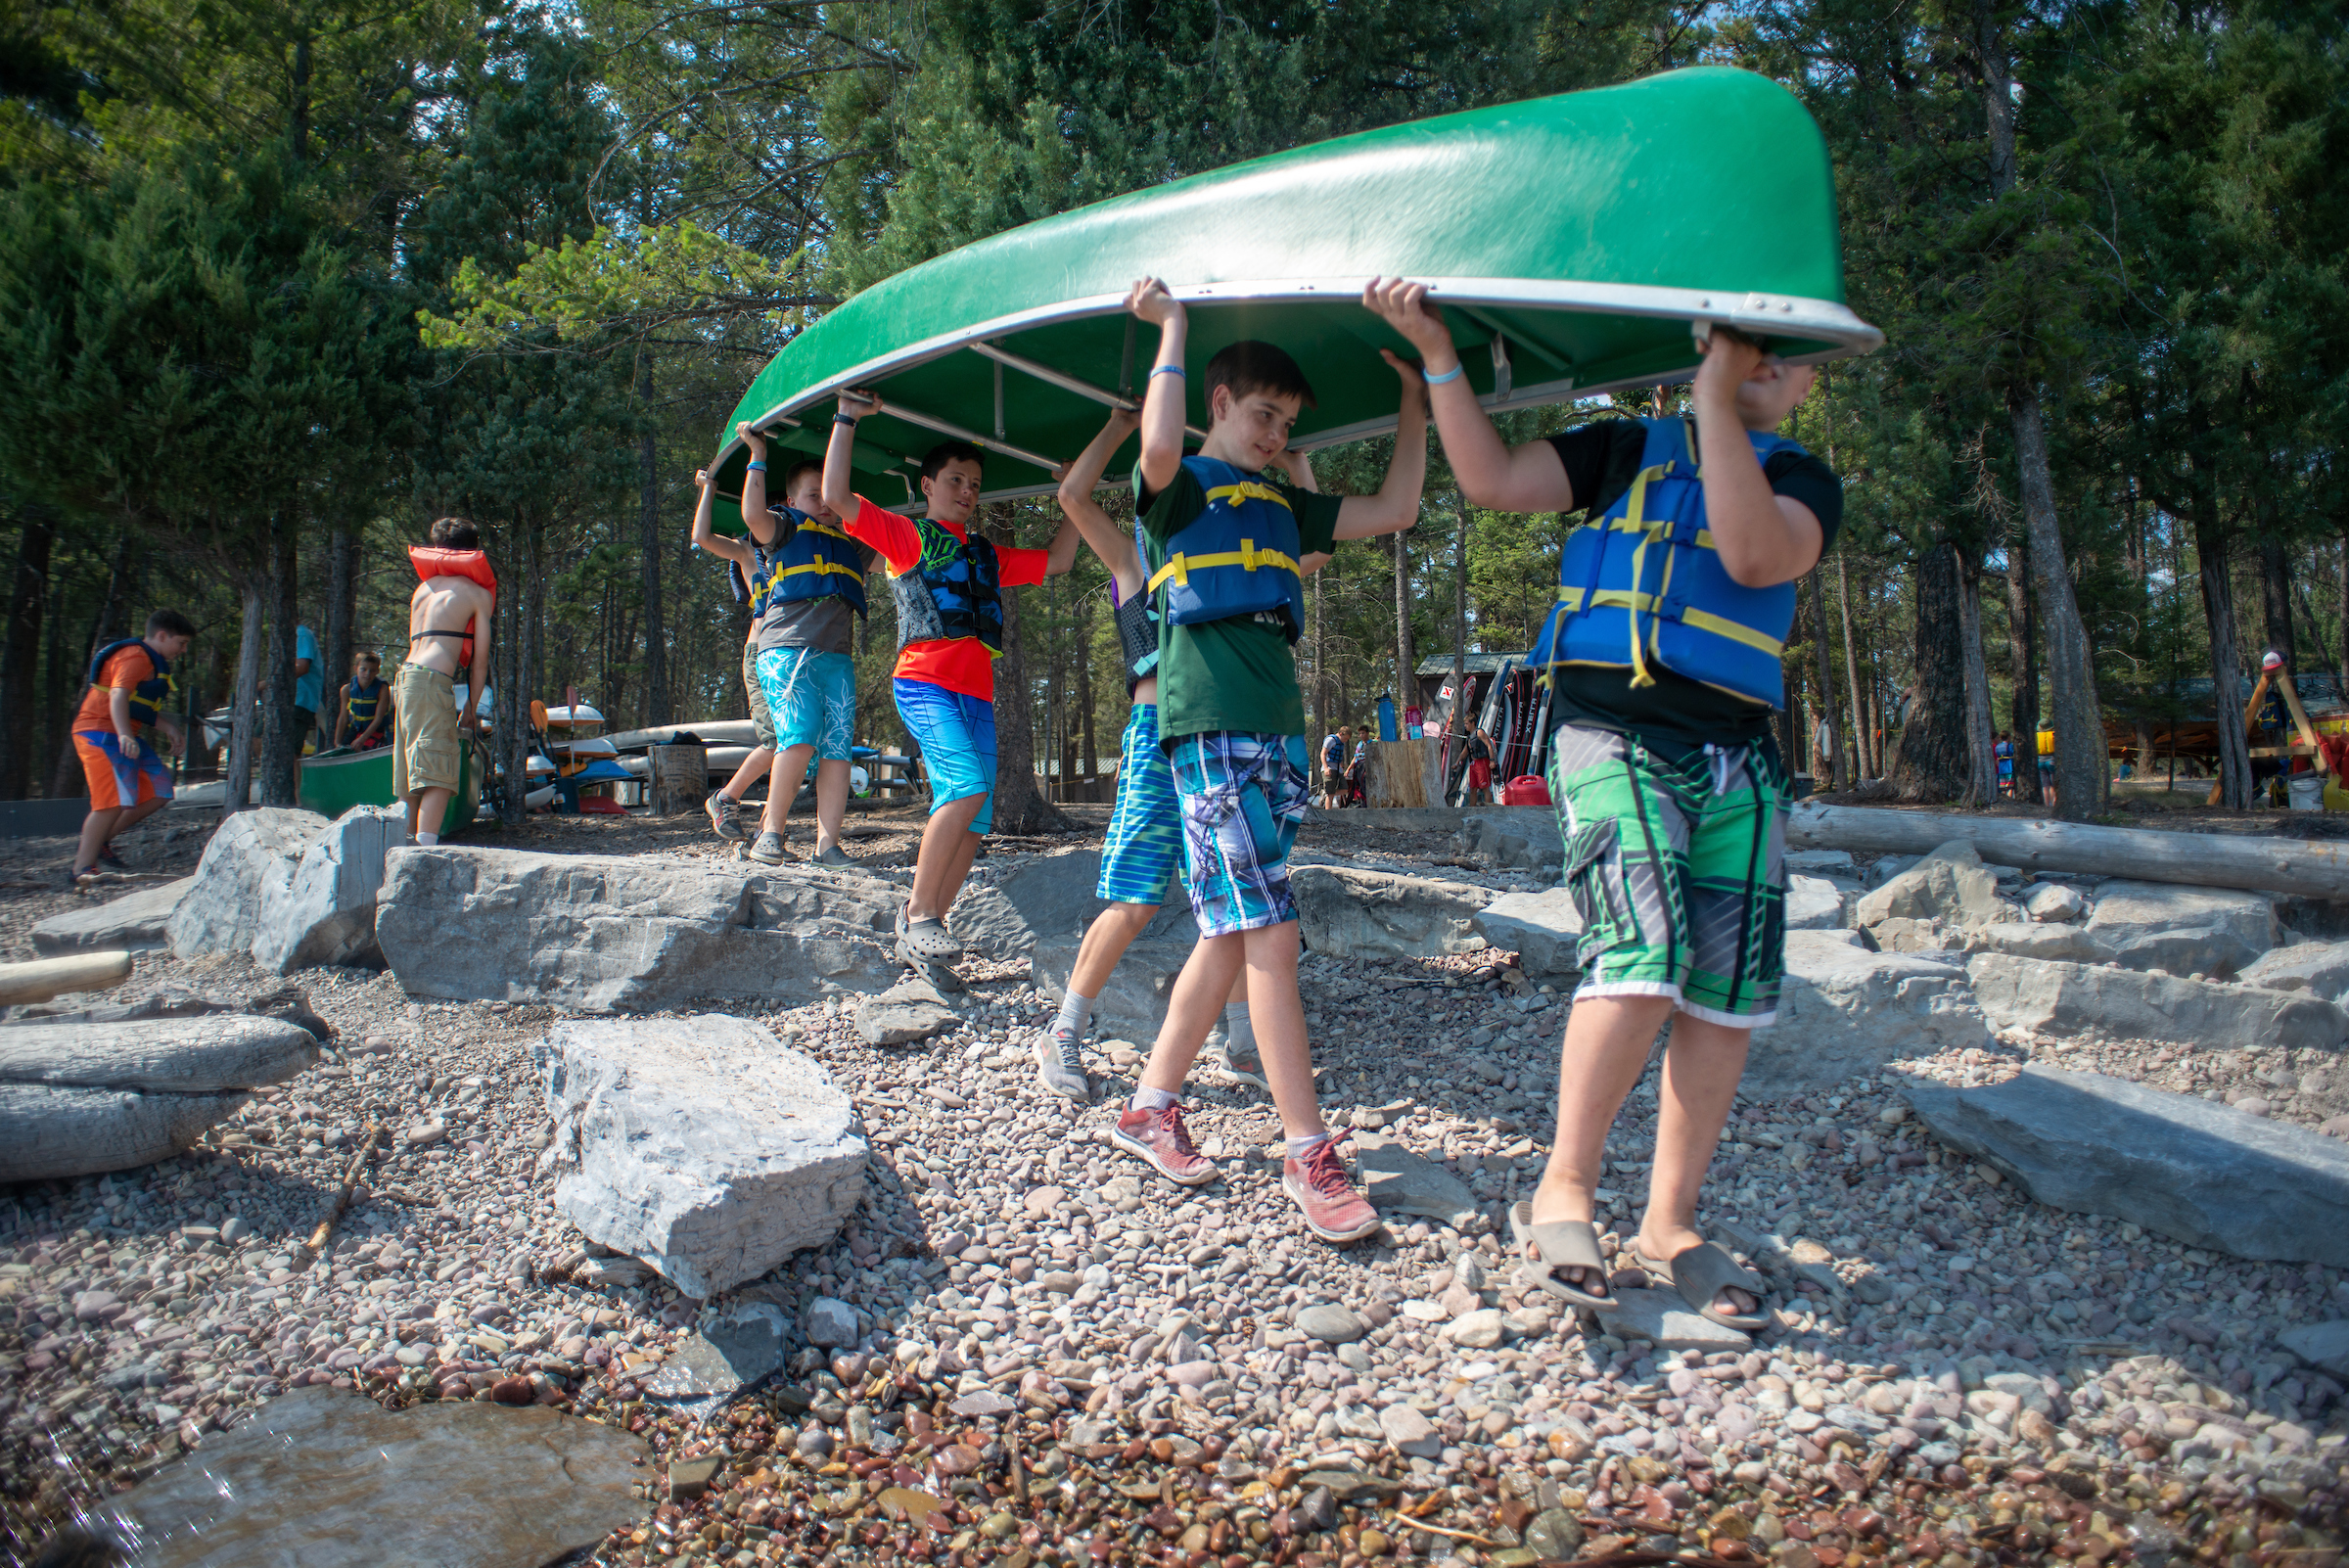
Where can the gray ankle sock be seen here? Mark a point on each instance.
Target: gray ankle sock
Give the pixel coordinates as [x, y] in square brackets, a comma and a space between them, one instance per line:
[1074, 1013]
[1239, 1034]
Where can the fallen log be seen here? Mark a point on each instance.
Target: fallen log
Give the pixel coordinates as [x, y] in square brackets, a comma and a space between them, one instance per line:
[2303, 867]
[44, 978]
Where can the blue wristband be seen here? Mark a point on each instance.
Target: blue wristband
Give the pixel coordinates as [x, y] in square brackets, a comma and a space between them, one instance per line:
[757, 465]
[1454, 374]
[1167, 370]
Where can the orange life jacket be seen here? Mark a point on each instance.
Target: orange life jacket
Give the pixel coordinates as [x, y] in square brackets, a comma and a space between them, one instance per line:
[431, 561]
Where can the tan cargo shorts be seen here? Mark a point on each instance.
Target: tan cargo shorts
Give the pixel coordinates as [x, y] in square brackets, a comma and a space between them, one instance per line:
[423, 721]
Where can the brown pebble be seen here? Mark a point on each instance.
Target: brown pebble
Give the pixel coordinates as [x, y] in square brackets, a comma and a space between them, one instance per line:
[513, 1391]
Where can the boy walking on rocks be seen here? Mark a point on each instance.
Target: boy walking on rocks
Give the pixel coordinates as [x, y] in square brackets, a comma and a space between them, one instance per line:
[130, 682]
[1671, 793]
[1223, 543]
[948, 582]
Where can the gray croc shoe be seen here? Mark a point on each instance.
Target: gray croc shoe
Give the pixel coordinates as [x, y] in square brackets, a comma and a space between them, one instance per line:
[833, 855]
[770, 851]
[926, 942]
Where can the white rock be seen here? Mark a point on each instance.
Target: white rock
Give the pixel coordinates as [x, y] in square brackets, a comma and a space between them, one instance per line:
[2321, 968]
[1541, 928]
[1481, 1329]
[133, 923]
[701, 1145]
[1843, 1010]
[2125, 909]
[2053, 901]
[1814, 903]
[2084, 999]
[2066, 943]
[252, 853]
[1951, 884]
[1409, 1432]
[325, 912]
[1377, 915]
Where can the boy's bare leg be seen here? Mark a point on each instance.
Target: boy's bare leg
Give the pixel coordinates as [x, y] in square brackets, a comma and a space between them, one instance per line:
[97, 831]
[783, 784]
[1604, 1050]
[1258, 967]
[760, 761]
[431, 805]
[1701, 1069]
[831, 800]
[1198, 997]
[948, 847]
[1106, 940]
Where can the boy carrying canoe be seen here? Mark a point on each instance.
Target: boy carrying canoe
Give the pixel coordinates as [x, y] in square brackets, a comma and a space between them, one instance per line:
[1671, 793]
[1143, 854]
[948, 582]
[448, 627]
[1224, 542]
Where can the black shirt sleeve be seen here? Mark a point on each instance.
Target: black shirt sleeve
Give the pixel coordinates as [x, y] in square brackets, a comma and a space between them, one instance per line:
[1801, 477]
[1601, 459]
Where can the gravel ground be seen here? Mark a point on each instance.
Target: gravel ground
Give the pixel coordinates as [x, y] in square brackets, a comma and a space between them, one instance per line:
[1958, 1375]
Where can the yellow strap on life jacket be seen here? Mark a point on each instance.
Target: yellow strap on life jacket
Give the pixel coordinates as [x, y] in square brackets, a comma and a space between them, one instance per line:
[1247, 557]
[817, 566]
[1248, 491]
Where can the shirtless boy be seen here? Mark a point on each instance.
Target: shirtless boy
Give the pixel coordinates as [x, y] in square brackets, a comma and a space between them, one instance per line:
[448, 625]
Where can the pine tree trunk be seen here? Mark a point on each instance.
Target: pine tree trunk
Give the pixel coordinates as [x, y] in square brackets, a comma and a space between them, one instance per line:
[1406, 656]
[2022, 640]
[649, 535]
[1863, 756]
[21, 652]
[341, 599]
[2082, 773]
[236, 773]
[1822, 636]
[508, 660]
[2226, 660]
[1932, 762]
[1982, 768]
[280, 748]
[1019, 808]
[2276, 587]
[1322, 652]
[1460, 614]
[2341, 589]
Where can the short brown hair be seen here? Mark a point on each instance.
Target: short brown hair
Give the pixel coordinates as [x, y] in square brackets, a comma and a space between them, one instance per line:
[790, 475]
[1251, 366]
[455, 533]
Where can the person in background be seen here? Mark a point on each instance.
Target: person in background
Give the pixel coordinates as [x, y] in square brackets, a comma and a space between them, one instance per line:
[448, 629]
[724, 804]
[130, 681]
[364, 707]
[1480, 767]
[310, 687]
[1333, 768]
[2003, 748]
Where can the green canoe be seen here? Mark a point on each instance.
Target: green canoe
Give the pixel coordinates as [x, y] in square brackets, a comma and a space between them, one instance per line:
[1571, 240]
[334, 781]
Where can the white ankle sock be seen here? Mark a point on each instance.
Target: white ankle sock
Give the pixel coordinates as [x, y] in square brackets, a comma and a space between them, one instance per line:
[428, 838]
[1299, 1148]
[1074, 1013]
[1146, 1098]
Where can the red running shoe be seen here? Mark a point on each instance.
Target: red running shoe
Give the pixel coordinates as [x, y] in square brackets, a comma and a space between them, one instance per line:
[1333, 1210]
[1159, 1137]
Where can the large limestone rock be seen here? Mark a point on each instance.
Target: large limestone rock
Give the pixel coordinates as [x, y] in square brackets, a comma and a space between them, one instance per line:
[2320, 968]
[133, 923]
[2127, 909]
[1816, 903]
[325, 912]
[1541, 928]
[1951, 885]
[1346, 913]
[2205, 1174]
[2066, 943]
[2048, 997]
[626, 932]
[76, 1098]
[1843, 1010]
[253, 852]
[1513, 836]
[2207, 952]
[1133, 1001]
[703, 1145]
[1049, 896]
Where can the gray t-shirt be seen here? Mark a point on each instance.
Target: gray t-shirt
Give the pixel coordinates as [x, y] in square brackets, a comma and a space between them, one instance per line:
[825, 625]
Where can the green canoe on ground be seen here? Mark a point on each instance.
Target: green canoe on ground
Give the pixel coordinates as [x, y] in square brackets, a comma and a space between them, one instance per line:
[334, 781]
[1573, 242]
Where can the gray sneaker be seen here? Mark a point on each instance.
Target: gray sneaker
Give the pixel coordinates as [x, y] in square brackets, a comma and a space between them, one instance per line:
[1060, 1064]
[725, 816]
[768, 851]
[833, 855]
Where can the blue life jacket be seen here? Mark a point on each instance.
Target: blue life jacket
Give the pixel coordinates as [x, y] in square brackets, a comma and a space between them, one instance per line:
[955, 589]
[1642, 586]
[148, 696]
[1138, 624]
[810, 560]
[361, 703]
[1238, 557]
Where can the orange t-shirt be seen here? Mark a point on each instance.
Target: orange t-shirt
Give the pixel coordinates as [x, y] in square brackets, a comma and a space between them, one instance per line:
[122, 673]
[959, 663]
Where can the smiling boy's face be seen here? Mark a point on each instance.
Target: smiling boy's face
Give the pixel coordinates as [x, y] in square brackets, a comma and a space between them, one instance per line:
[1248, 430]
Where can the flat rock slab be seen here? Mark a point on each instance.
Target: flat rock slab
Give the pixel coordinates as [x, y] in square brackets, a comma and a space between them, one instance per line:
[703, 1145]
[1522, 837]
[1541, 929]
[1133, 1000]
[908, 1011]
[624, 934]
[1843, 1011]
[2064, 943]
[2048, 997]
[252, 853]
[1050, 896]
[133, 923]
[1346, 913]
[2320, 968]
[324, 913]
[170, 1055]
[1398, 1182]
[2125, 909]
[1668, 1323]
[2205, 1174]
[50, 1132]
[320, 1478]
[2324, 1346]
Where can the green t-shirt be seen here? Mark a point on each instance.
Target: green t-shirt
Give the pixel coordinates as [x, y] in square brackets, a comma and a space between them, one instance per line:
[1238, 675]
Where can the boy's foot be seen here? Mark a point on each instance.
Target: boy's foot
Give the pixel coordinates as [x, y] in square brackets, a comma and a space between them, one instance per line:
[107, 858]
[1060, 1064]
[725, 816]
[1320, 1188]
[1159, 1137]
[768, 851]
[1241, 1063]
[73, 877]
[833, 854]
[925, 942]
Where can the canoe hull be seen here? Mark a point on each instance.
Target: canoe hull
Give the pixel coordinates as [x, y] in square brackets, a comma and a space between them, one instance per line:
[332, 782]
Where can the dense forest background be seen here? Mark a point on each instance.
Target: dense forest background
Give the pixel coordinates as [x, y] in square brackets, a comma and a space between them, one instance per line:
[283, 280]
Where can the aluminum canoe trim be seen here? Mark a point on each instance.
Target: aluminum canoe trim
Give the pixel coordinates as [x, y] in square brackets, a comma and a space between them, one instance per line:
[1777, 315]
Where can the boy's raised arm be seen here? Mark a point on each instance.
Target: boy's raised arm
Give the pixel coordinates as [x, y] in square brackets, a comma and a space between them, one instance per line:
[1395, 506]
[1491, 473]
[1163, 399]
[1763, 539]
[840, 453]
[707, 537]
[1110, 542]
[1061, 553]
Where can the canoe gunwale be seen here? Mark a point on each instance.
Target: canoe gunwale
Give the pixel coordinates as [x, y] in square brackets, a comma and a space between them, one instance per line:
[1776, 315]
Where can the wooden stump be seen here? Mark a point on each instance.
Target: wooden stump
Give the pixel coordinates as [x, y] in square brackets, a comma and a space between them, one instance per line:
[1399, 772]
[681, 779]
